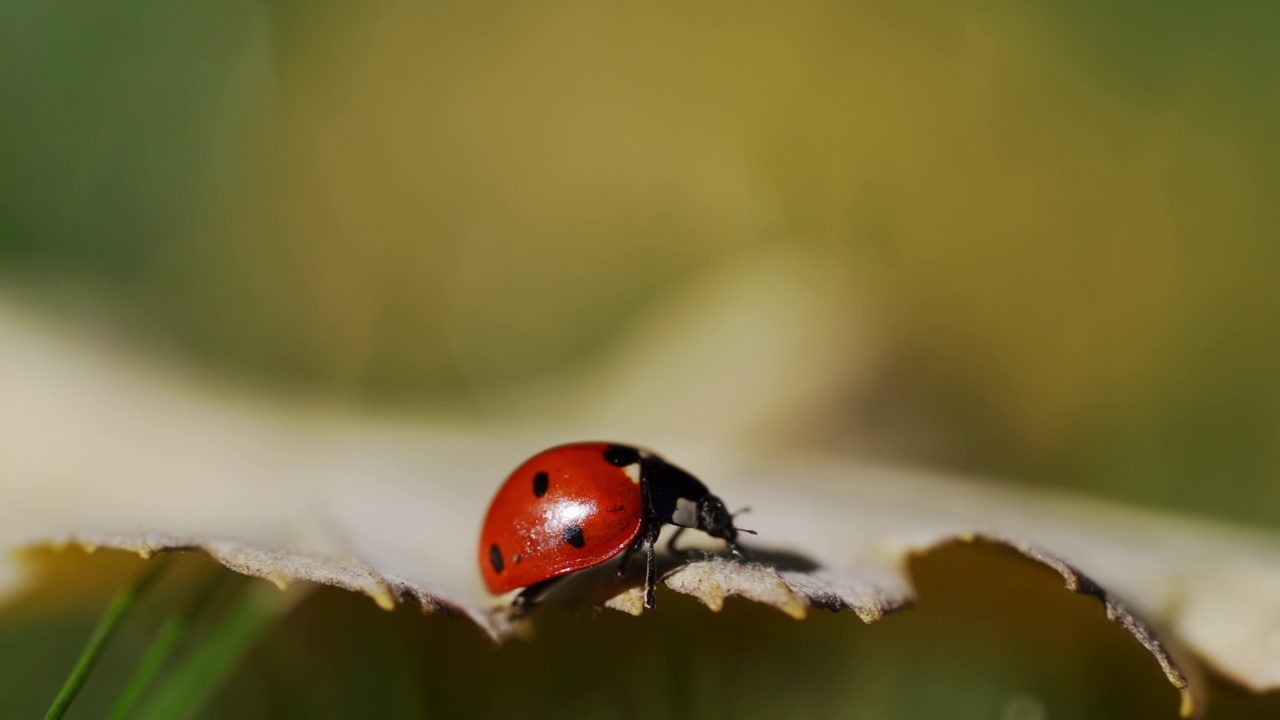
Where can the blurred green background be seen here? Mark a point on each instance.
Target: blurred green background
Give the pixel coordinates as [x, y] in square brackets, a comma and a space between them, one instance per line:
[1051, 227]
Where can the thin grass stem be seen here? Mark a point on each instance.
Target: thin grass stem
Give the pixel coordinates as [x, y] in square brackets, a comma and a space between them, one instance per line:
[106, 627]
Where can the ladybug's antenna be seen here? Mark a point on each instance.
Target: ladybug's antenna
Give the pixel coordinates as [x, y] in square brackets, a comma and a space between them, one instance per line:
[734, 516]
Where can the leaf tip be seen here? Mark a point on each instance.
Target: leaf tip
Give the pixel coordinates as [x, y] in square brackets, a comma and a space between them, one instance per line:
[630, 602]
[1189, 707]
[383, 598]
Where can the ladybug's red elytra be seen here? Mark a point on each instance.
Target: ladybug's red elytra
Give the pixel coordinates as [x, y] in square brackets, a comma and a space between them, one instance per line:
[575, 506]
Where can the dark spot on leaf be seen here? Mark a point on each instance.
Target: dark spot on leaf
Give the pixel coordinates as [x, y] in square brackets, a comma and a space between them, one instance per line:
[621, 455]
[573, 535]
[495, 557]
[540, 484]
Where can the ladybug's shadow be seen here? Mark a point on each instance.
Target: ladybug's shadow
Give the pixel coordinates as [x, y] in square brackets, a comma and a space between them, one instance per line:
[595, 586]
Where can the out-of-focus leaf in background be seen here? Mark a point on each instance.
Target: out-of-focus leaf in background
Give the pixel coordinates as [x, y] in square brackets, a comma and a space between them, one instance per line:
[1022, 239]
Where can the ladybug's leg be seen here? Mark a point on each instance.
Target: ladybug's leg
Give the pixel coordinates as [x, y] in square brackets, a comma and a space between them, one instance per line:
[671, 544]
[642, 538]
[650, 528]
[651, 566]
[650, 570]
[648, 537]
[626, 554]
[532, 595]
[735, 549]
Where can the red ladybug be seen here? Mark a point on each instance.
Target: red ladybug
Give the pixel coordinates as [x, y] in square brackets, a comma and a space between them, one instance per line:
[576, 506]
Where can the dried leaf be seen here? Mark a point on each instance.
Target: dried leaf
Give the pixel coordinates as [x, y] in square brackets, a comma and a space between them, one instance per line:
[104, 452]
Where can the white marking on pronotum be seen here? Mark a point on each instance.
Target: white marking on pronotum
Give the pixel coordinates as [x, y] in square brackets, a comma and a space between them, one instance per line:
[633, 472]
[686, 514]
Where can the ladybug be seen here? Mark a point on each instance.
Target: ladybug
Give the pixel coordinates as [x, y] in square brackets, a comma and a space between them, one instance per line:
[576, 506]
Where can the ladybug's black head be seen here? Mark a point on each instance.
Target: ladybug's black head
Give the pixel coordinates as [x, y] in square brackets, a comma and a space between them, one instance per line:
[715, 520]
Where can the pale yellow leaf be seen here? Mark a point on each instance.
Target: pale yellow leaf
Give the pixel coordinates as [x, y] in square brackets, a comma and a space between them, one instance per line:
[104, 450]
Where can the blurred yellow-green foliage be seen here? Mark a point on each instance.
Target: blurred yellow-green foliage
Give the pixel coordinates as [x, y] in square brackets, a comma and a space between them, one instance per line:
[1059, 218]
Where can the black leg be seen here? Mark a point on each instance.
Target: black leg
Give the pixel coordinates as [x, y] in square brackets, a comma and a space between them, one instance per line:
[645, 523]
[649, 530]
[735, 549]
[529, 598]
[650, 572]
[626, 555]
[671, 544]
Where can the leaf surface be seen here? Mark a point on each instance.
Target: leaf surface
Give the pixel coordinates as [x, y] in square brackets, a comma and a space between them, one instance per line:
[106, 451]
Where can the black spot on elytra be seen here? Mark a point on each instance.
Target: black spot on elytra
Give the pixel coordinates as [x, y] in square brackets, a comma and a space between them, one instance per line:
[495, 557]
[573, 535]
[621, 455]
[540, 484]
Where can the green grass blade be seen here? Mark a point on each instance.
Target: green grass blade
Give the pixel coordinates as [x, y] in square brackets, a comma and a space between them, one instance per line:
[199, 676]
[106, 627]
[175, 629]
